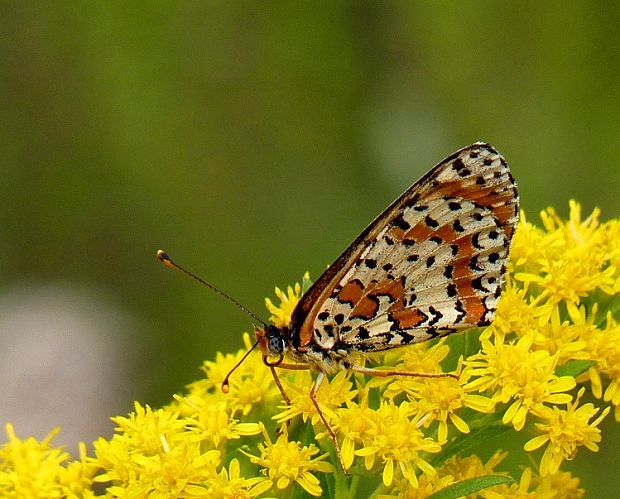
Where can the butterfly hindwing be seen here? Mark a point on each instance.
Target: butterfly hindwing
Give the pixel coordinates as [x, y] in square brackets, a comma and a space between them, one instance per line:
[430, 264]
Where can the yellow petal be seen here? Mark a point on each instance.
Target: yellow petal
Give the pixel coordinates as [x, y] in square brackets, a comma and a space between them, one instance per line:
[459, 423]
[388, 473]
[283, 482]
[562, 384]
[559, 398]
[510, 413]
[536, 442]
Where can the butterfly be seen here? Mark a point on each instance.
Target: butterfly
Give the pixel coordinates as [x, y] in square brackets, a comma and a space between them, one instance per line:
[430, 265]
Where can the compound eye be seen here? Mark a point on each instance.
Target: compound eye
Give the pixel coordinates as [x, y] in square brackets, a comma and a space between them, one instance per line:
[275, 345]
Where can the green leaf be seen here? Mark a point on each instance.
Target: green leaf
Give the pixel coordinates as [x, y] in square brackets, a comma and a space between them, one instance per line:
[574, 367]
[605, 303]
[471, 485]
[465, 344]
[614, 307]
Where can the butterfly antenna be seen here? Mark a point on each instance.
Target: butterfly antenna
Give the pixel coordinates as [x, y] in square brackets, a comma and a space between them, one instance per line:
[163, 257]
[226, 383]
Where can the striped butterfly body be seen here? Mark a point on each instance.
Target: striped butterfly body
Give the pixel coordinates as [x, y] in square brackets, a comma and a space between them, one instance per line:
[431, 264]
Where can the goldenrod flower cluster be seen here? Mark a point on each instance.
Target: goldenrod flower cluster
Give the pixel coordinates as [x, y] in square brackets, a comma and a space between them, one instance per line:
[554, 338]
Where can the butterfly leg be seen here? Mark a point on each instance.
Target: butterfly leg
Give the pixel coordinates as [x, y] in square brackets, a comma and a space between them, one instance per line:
[281, 365]
[296, 367]
[328, 427]
[276, 378]
[384, 373]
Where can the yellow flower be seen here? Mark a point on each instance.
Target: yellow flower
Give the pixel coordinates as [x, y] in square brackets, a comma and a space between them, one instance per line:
[29, 468]
[520, 490]
[514, 315]
[453, 470]
[563, 485]
[440, 399]
[421, 358]
[603, 345]
[515, 373]
[564, 337]
[527, 244]
[460, 468]
[180, 471]
[397, 440]
[355, 421]
[331, 395]
[611, 236]
[213, 423]
[229, 484]
[146, 430]
[427, 485]
[77, 478]
[564, 431]
[250, 385]
[285, 462]
[571, 261]
[153, 454]
[281, 314]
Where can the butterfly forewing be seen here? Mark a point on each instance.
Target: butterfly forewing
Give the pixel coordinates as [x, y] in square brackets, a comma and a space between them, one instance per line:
[430, 264]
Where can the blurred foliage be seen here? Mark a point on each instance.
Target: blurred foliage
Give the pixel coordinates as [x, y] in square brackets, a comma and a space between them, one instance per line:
[254, 140]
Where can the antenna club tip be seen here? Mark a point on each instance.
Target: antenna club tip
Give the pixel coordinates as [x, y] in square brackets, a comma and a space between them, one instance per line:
[225, 387]
[163, 257]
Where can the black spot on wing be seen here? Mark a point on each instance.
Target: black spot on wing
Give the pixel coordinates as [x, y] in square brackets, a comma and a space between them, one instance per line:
[362, 333]
[474, 265]
[477, 284]
[458, 165]
[475, 241]
[431, 222]
[401, 223]
[437, 315]
[457, 226]
[458, 306]
[371, 263]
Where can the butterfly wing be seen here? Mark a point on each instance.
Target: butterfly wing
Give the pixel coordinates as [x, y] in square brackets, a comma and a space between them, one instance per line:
[430, 264]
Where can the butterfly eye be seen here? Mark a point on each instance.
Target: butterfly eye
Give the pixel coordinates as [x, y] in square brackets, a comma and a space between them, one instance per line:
[275, 345]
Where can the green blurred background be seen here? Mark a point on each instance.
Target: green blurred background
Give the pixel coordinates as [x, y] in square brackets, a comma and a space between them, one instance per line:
[254, 140]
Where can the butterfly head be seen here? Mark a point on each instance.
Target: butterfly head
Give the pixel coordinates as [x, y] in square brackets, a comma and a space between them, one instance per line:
[272, 342]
